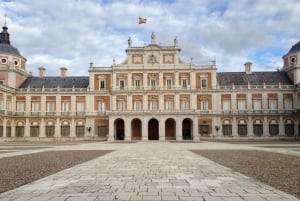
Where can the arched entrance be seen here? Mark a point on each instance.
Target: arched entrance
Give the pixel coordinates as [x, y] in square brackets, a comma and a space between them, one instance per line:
[136, 129]
[119, 129]
[170, 129]
[187, 129]
[153, 132]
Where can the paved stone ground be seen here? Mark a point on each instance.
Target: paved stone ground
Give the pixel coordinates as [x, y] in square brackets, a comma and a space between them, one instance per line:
[149, 171]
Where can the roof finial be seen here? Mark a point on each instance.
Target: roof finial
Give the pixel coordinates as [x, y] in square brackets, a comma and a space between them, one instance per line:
[5, 19]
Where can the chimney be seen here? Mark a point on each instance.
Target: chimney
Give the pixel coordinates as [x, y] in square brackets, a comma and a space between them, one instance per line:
[248, 69]
[41, 71]
[63, 71]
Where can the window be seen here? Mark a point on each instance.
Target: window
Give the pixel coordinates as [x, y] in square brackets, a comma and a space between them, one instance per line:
[50, 131]
[226, 105]
[35, 108]
[102, 84]
[79, 131]
[204, 105]
[19, 131]
[138, 105]
[184, 83]
[152, 84]
[274, 129]
[34, 131]
[242, 130]
[102, 131]
[258, 129]
[153, 105]
[272, 104]
[203, 83]
[20, 108]
[169, 83]
[1, 104]
[50, 106]
[8, 106]
[80, 107]
[184, 104]
[288, 104]
[101, 107]
[8, 131]
[1, 131]
[65, 131]
[137, 84]
[241, 105]
[65, 107]
[169, 105]
[257, 105]
[1, 82]
[121, 105]
[227, 130]
[122, 84]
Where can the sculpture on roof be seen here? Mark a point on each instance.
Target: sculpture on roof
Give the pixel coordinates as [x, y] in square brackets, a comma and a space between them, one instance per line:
[175, 41]
[129, 42]
[153, 37]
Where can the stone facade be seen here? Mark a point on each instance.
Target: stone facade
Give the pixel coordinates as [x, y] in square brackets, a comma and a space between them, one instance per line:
[152, 95]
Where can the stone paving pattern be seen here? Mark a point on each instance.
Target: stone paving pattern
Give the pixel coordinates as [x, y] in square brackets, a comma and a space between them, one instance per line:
[148, 171]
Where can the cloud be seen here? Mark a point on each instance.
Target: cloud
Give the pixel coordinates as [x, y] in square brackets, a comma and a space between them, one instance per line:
[51, 35]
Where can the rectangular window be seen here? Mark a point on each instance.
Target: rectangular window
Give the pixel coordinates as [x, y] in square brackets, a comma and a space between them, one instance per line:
[50, 131]
[242, 130]
[20, 108]
[102, 107]
[1, 131]
[19, 131]
[102, 131]
[289, 130]
[184, 83]
[153, 84]
[184, 105]
[138, 105]
[65, 131]
[8, 106]
[35, 107]
[50, 106]
[273, 129]
[65, 107]
[257, 105]
[8, 131]
[203, 83]
[169, 105]
[226, 105]
[227, 130]
[122, 84]
[258, 129]
[79, 131]
[137, 84]
[34, 131]
[102, 84]
[1, 104]
[169, 83]
[272, 104]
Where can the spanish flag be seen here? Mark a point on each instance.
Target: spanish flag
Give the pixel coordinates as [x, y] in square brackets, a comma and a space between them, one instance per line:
[142, 20]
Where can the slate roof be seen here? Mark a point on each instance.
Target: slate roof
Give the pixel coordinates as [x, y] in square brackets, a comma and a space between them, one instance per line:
[54, 82]
[255, 78]
[295, 48]
[5, 46]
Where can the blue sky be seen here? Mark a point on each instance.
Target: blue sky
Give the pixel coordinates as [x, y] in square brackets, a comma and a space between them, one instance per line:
[72, 33]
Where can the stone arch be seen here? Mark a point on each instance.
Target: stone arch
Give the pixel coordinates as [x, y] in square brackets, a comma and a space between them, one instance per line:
[187, 129]
[153, 129]
[170, 129]
[119, 128]
[136, 129]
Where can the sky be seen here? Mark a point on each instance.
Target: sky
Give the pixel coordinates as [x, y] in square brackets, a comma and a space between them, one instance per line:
[73, 33]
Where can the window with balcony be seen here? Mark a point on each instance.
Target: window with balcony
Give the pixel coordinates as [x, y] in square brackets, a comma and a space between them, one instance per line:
[35, 108]
[50, 108]
[184, 83]
[226, 105]
[257, 105]
[121, 105]
[153, 104]
[288, 104]
[102, 84]
[122, 84]
[50, 131]
[204, 105]
[153, 82]
[65, 131]
[1, 106]
[137, 84]
[101, 107]
[8, 107]
[20, 108]
[80, 108]
[241, 105]
[204, 83]
[185, 104]
[272, 105]
[65, 108]
[79, 131]
[138, 105]
[169, 105]
[34, 131]
[169, 83]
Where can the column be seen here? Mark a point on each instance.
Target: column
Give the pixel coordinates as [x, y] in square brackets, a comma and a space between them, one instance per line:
[266, 128]
[72, 128]
[57, 128]
[145, 129]
[250, 128]
[234, 127]
[111, 134]
[179, 129]
[281, 127]
[162, 135]
[127, 129]
[43, 105]
[42, 129]
[27, 128]
[195, 130]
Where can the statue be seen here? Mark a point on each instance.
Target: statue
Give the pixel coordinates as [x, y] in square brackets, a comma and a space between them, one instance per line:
[153, 37]
[129, 42]
[175, 41]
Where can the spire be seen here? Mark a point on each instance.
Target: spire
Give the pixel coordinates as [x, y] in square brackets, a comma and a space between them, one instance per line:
[4, 35]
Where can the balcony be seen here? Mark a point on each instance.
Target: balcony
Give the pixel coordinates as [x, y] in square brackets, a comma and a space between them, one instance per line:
[35, 114]
[257, 111]
[9, 112]
[101, 113]
[242, 111]
[50, 114]
[2, 112]
[226, 112]
[80, 113]
[19, 113]
[273, 111]
[65, 113]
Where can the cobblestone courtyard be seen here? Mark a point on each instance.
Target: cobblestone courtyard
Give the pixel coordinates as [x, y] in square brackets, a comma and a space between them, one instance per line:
[147, 171]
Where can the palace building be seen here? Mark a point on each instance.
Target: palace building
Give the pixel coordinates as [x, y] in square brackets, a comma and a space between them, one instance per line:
[152, 95]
